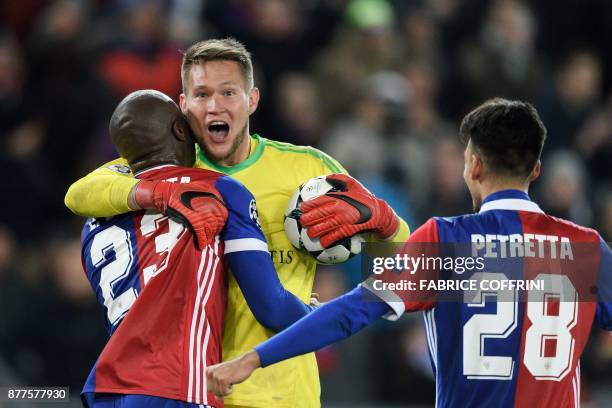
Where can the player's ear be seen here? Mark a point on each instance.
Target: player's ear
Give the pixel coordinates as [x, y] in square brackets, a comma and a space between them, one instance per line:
[535, 173]
[476, 166]
[183, 103]
[180, 129]
[253, 99]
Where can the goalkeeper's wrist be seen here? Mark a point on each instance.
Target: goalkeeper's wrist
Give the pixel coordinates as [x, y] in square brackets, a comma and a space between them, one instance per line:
[395, 231]
[142, 195]
[131, 201]
[390, 220]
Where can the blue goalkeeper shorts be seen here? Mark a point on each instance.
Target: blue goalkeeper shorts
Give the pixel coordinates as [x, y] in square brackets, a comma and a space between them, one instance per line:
[135, 401]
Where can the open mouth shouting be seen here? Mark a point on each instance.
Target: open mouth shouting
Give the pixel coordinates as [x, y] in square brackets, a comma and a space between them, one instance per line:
[219, 130]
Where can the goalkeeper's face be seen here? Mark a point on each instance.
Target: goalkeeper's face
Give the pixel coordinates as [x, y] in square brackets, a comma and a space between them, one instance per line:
[218, 104]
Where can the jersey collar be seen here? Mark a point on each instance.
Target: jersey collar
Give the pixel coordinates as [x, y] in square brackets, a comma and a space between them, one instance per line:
[515, 200]
[161, 166]
[257, 141]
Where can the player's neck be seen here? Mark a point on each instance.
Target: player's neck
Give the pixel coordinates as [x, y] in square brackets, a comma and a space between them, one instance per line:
[241, 154]
[487, 189]
[139, 167]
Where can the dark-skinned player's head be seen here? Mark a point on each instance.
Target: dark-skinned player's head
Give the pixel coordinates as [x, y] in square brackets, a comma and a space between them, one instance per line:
[504, 141]
[148, 129]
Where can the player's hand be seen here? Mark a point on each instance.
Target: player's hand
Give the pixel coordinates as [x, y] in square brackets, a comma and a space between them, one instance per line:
[192, 204]
[314, 300]
[342, 214]
[221, 377]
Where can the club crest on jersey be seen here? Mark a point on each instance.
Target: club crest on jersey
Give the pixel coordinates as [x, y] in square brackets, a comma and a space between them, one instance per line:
[253, 213]
[120, 168]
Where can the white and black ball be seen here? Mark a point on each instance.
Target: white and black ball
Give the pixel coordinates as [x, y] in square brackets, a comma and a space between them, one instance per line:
[341, 250]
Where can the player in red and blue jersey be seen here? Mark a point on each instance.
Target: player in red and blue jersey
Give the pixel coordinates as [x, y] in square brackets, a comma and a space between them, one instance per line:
[486, 350]
[163, 297]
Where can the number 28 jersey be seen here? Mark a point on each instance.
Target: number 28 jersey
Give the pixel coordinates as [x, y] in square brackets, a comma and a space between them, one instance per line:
[488, 351]
[164, 300]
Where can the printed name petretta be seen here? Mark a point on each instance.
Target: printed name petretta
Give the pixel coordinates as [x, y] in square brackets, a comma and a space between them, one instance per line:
[521, 245]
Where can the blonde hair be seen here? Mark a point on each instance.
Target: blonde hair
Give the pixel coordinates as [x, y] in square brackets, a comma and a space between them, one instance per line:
[228, 49]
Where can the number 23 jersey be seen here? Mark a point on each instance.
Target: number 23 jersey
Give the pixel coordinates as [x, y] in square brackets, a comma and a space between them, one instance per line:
[164, 300]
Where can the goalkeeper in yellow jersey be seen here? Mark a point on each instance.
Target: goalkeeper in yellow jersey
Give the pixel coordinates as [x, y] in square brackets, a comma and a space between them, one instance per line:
[218, 97]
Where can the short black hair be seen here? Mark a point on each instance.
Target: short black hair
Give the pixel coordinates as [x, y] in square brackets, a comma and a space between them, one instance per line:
[509, 135]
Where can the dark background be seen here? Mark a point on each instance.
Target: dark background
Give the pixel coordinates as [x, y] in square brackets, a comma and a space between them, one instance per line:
[379, 84]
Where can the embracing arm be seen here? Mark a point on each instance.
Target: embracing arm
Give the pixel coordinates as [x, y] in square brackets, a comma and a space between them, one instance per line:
[112, 190]
[274, 307]
[102, 193]
[247, 252]
[603, 313]
[334, 321]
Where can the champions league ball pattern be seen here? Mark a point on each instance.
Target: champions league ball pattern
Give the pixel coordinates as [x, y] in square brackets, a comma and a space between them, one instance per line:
[341, 250]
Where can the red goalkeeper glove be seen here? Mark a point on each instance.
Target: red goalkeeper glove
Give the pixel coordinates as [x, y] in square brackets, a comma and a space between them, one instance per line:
[194, 205]
[347, 211]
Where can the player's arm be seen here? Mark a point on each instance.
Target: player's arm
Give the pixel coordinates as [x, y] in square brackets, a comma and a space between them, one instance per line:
[346, 315]
[332, 322]
[603, 313]
[102, 193]
[246, 249]
[112, 190]
[273, 306]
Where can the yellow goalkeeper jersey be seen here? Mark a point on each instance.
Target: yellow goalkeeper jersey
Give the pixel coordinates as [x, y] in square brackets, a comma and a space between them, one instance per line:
[272, 172]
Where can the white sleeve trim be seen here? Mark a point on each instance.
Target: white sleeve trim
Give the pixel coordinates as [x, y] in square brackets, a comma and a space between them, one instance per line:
[389, 297]
[245, 244]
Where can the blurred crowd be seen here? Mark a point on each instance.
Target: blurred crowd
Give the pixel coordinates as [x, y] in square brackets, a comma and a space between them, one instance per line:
[380, 85]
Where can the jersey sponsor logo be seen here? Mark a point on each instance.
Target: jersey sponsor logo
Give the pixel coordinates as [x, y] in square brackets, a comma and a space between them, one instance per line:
[282, 256]
[120, 168]
[253, 213]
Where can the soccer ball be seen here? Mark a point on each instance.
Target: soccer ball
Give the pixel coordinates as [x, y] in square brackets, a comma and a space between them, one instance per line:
[341, 250]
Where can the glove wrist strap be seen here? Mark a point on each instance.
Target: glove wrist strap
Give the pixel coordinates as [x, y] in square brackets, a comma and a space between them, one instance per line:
[390, 221]
[144, 194]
